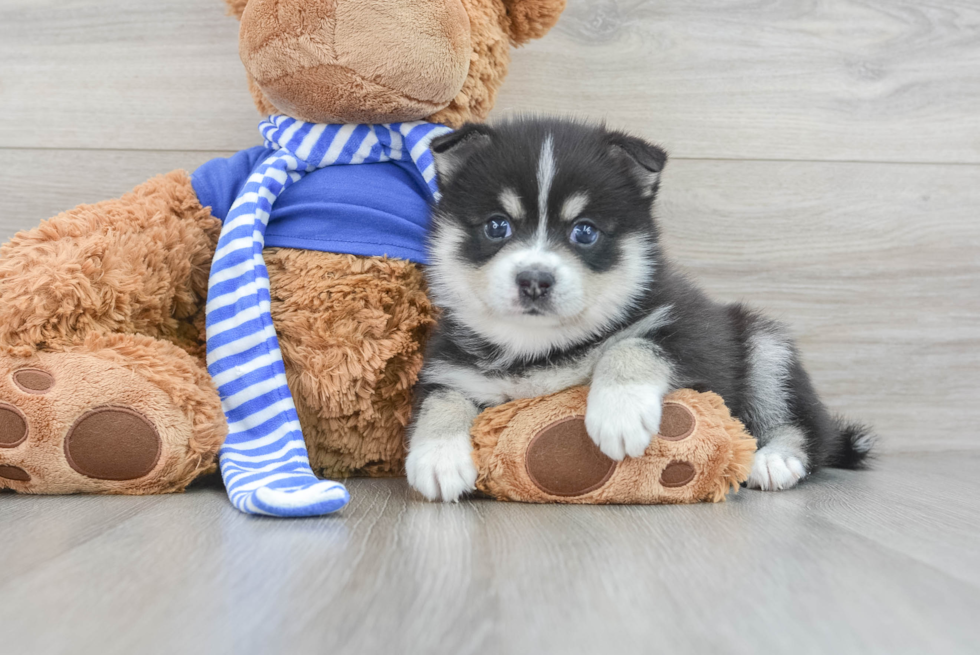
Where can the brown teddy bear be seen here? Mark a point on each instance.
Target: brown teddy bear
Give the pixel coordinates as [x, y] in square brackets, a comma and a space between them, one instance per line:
[107, 321]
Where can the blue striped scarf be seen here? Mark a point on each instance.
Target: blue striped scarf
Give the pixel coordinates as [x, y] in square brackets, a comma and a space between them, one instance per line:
[264, 461]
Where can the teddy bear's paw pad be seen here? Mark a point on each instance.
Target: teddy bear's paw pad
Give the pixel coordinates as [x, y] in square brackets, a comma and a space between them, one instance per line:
[677, 474]
[13, 426]
[677, 422]
[113, 443]
[562, 460]
[15, 473]
[33, 380]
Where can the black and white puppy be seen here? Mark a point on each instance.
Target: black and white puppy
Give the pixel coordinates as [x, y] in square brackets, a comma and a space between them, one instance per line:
[546, 265]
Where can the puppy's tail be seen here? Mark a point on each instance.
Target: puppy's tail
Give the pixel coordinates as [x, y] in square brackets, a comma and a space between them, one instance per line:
[853, 447]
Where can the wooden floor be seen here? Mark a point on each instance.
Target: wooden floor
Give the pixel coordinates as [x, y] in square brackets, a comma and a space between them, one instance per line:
[825, 166]
[885, 561]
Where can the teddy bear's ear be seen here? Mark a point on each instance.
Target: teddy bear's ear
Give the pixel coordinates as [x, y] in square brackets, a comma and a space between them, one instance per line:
[236, 7]
[452, 150]
[644, 161]
[531, 19]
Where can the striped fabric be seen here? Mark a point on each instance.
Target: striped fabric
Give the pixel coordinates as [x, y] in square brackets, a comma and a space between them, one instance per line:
[264, 462]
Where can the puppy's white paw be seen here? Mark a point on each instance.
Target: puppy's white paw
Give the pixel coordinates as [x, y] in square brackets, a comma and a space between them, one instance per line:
[773, 470]
[441, 469]
[622, 419]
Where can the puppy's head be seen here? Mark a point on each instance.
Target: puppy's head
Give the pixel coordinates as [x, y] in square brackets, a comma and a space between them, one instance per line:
[544, 235]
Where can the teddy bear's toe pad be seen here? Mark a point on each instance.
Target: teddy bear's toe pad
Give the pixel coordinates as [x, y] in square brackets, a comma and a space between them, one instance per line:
[677, 474]
[33, 380]
[677, 422]
[13, 426]
[15, 473]
[562, 460]
[113, 443]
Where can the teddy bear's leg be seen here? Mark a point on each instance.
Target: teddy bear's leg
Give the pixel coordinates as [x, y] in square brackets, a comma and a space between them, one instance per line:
[101, 326]
[352, 342]
[137, 264]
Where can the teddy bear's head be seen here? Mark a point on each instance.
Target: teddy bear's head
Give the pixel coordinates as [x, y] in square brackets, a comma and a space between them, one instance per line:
[381, 61]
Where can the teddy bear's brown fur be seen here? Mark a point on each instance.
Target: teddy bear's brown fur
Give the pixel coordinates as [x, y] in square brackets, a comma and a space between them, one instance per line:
[103, 306]
[107, 298]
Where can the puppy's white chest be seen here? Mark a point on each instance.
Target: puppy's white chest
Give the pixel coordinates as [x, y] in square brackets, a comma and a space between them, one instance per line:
[543, 382]
[497, 389]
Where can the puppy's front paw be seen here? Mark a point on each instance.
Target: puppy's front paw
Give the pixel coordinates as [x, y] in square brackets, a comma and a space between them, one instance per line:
[441, 469]
[623, 418]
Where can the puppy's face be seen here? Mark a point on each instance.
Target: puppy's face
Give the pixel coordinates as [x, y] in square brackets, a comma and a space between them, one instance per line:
[544, 234]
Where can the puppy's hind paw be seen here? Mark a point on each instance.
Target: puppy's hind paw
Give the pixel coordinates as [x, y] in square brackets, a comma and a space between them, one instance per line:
[773, 470]
[441, 469]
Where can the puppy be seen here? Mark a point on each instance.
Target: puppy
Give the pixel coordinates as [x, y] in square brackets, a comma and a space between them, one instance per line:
[546, 264]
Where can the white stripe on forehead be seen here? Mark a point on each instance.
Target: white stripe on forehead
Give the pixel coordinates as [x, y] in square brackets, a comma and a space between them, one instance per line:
[546, 173]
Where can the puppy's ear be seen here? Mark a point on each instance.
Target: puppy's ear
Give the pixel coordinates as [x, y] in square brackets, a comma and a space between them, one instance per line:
[452, 150]
[644, 161]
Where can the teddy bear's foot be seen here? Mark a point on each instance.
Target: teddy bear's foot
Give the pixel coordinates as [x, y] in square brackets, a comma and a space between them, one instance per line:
[563, 460]
[539, 450]
[89, 421]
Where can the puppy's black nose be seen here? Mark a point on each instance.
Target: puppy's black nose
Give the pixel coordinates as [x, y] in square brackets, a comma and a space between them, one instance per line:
[535, 285]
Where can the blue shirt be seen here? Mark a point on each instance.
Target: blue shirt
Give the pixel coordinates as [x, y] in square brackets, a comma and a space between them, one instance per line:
[358, 209]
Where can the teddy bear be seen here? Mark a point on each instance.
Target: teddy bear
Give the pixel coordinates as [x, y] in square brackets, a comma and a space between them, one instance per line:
[270, 304]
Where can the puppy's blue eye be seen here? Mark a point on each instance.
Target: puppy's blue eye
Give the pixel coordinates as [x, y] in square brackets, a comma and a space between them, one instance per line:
[497, 228]
[584, 233]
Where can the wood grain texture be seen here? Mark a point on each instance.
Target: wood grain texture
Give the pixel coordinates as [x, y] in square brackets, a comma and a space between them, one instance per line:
[874, 266]
[46, 181]
[160, 75]
[927, 492]
[825, 568]
[880, 80]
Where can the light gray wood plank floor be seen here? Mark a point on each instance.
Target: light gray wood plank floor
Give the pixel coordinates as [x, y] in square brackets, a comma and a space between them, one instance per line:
[883, 561]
